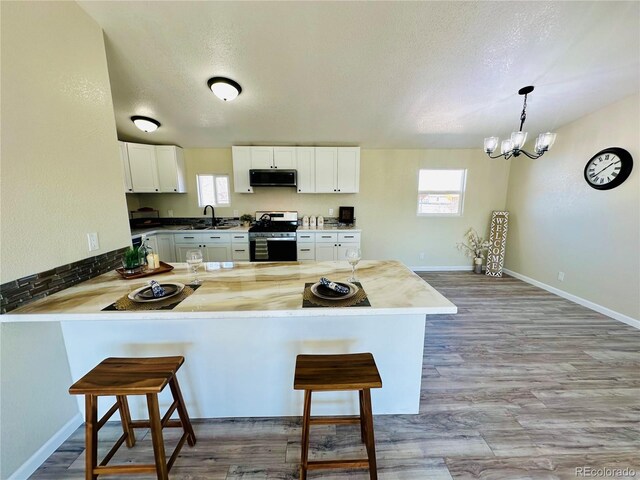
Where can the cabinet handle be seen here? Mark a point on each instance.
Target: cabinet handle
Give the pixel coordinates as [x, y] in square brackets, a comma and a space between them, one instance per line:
[299, 190]
[339, 244]
[156, 189]
[215, 237]
[305, 249]
[348, 236]
[175, 189]
[239, 250]
[188, 237]
[325, 236]
[239, 237]
[248, 189]
[334, 190]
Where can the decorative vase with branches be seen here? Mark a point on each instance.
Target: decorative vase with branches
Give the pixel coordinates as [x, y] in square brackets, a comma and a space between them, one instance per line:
[475, 247]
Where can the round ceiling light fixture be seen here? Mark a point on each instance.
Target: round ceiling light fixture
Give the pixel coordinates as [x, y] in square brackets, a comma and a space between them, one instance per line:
[145, 124]
[224, 88]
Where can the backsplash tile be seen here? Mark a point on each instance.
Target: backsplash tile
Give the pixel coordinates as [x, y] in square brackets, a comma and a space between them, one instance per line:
[27, 289]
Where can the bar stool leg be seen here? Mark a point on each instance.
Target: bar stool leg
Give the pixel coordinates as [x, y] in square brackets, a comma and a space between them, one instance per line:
[363, 430]
[125, 419]
[91, 436]
[304, 444]
[370, 440]
[156, 436]
[182, 411]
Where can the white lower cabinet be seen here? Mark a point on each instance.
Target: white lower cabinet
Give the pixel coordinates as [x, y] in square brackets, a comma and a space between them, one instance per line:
[166, 247]
[333, 245]
[215, 247]
[240, 246]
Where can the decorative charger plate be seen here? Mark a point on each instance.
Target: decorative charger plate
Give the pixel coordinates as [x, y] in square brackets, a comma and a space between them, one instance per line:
[145, 294]
[326, 293]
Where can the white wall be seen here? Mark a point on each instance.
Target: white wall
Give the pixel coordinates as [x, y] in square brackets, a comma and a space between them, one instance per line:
[559, 223]
[61, 174]
[61, 178]
[385, 208]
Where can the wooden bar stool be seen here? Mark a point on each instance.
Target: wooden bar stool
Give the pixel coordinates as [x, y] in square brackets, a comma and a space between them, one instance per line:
[355, 371]
[121, 377]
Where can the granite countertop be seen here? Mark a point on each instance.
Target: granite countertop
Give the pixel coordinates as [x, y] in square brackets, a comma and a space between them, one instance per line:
[136, 232]
[328, 228]
[245, 290]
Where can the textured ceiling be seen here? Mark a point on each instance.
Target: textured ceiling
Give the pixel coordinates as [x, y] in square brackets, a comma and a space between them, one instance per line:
[374, 74]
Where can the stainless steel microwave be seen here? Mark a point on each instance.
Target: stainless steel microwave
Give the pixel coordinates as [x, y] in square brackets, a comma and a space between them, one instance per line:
[272, 178]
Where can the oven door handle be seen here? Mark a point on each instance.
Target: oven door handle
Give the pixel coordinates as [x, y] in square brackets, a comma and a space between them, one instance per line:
[281, 239]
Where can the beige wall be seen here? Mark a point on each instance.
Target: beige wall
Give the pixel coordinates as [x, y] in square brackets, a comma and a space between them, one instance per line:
[60, 170]
[385, 208]
[60, 179]
[559, 223]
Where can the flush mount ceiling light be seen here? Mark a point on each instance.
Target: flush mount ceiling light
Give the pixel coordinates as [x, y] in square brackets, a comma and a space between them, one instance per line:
[145, 124]
[513, 146]
[224, 88]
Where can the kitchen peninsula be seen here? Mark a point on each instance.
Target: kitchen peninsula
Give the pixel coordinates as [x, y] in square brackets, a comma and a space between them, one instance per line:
[241, 330]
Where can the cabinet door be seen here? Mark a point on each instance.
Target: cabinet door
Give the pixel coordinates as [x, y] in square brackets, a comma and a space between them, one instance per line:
[170, 163]
[261, 157]
[241, 166]
[342, 250]
[217, 253]
[240, 251]
[166, 249]
[284, 157]
[124, 158]
[348, 177]
[306, 251]
[144, 172]
[182, 249]
[306, 165]
[325, 252]
[325, 169]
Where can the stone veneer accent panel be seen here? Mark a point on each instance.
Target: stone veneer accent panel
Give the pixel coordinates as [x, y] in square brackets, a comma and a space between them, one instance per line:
[27, 289]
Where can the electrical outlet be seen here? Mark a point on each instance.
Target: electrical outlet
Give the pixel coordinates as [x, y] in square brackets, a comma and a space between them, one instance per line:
[421, 255]
[236, 213]
[170, 213]
[330, 211]
[561, 276]
[94, 244]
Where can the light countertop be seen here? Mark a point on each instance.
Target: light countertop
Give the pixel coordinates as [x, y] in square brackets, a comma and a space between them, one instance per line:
[136, 232]
[247, 289]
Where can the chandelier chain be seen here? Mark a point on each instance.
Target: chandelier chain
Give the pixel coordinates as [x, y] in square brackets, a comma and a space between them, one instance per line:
[523, 115]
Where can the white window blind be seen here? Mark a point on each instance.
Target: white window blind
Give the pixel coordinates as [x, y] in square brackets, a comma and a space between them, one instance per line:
[213, 190]
[441, 192]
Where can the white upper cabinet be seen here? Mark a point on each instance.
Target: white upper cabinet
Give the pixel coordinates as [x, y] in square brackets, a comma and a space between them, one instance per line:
[306, 166]
[284, 157]
[124, 158]
[170, 161]
[241, 167]
[143, 167]
[326, 167]
[337, 169]
[261, 157]
[348, 177]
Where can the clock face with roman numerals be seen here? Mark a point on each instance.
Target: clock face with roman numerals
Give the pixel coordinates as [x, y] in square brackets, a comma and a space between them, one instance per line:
[608, 168]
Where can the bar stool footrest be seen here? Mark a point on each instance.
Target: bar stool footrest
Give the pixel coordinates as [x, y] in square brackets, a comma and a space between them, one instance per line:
[341, 420]
[353, 463]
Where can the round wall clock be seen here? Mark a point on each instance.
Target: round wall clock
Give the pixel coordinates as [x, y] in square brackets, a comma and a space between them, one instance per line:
[608, 168]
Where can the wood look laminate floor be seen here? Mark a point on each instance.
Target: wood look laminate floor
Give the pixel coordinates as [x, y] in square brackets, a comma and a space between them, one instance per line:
[520, 384]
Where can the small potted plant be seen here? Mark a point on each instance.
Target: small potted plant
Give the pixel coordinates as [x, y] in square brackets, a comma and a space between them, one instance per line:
[475, 248]
[246, 219]
[131, 262]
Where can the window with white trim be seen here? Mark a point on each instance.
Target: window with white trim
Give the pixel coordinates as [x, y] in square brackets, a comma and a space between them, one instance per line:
[213, 190]
[441, 192]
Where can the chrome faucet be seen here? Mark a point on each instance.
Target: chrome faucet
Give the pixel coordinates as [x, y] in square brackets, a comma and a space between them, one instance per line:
[214, 221]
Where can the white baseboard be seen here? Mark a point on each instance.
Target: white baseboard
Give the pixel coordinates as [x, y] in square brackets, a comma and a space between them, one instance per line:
[579, 300]
[31, 465]
[423, 268]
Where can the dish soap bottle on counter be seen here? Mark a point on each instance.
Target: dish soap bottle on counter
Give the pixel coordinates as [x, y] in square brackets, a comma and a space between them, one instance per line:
[320, 221]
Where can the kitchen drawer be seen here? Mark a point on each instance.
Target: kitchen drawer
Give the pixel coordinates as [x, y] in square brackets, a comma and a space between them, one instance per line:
[353, 237]
[239, 252]
[216, 238]
[326, 237]
[239, 237]
[306, 237]
[189, 238]
[306, 252]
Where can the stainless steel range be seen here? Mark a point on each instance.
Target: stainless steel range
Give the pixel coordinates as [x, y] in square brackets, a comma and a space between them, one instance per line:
[273, 237]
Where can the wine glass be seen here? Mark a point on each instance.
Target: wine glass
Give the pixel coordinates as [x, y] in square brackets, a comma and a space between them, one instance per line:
[194, 259]
[353, 256]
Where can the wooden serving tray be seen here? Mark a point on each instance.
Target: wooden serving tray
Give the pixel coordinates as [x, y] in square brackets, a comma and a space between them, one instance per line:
[164, 267]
